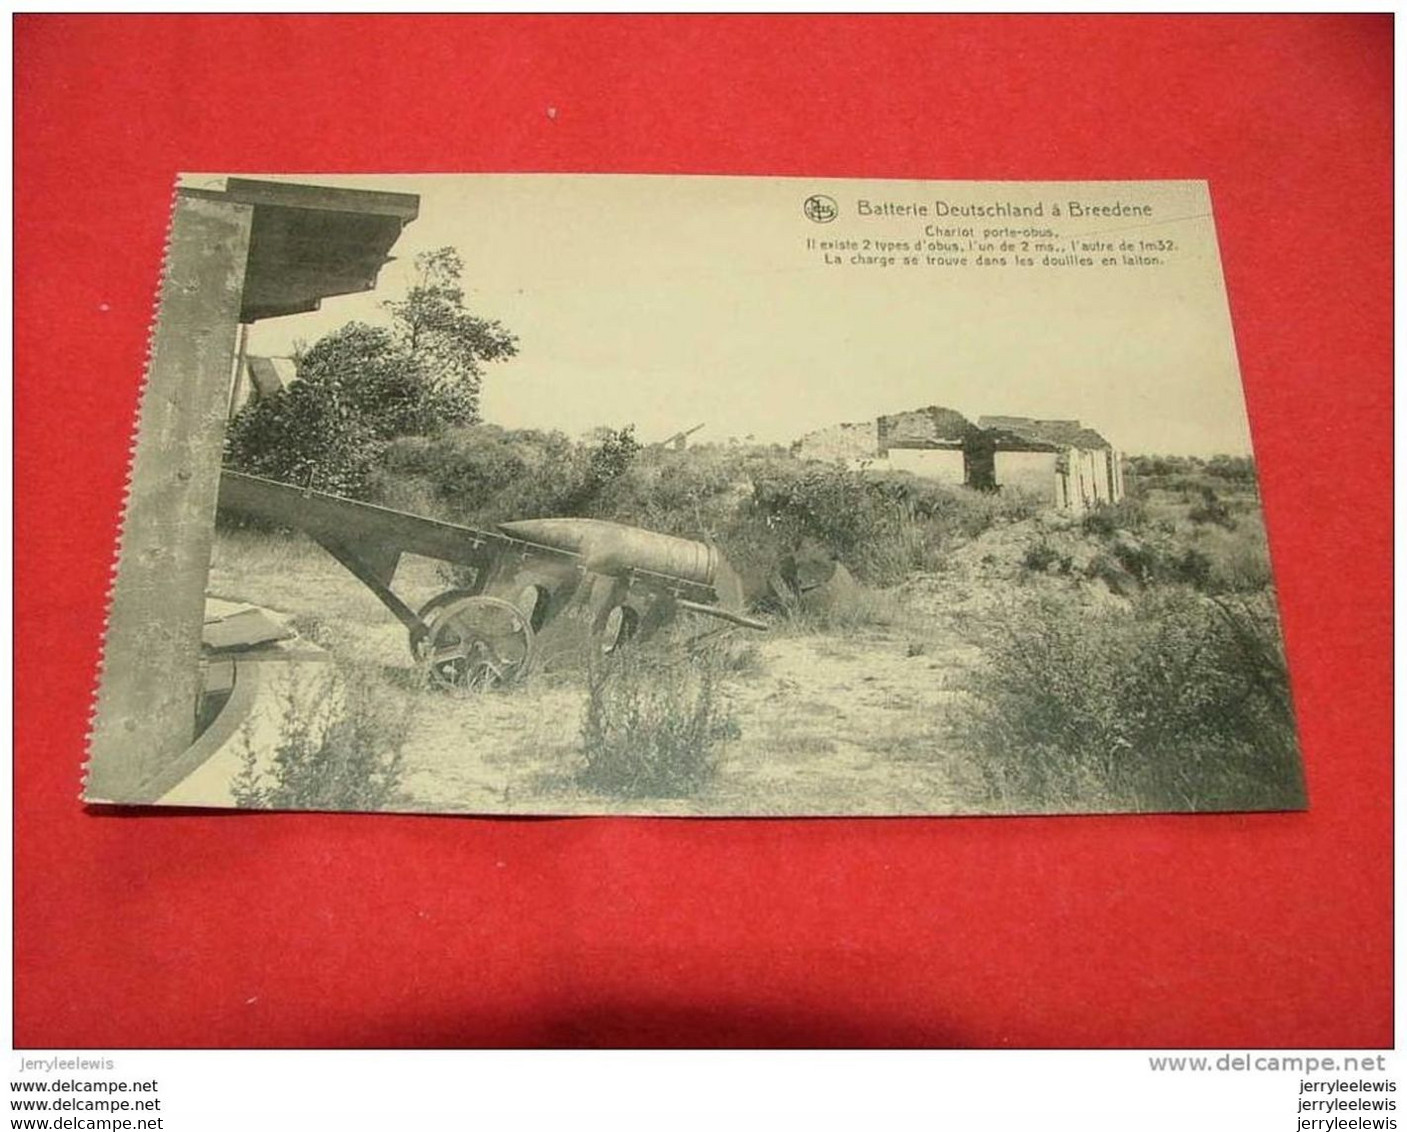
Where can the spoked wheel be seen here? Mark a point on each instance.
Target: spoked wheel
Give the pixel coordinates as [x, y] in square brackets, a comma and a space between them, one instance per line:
[420, 634]
[476, 643]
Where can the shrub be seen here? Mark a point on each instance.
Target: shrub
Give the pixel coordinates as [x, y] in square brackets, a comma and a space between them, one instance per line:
[1181, 703]
[338, 746]
[881, 526]
[1107, 569]
[1192, 566]
[1163, 467]
[654, 724]
[1040, 557]
[1239, 470]
[1139, 559]
[1128, 514]
[483, 474]
[1212, 559]
[323, 431]
[1212, 510]
[1189, 475]
[696, 493]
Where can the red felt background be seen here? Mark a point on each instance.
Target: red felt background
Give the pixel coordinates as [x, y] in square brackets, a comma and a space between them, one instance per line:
[175, 930]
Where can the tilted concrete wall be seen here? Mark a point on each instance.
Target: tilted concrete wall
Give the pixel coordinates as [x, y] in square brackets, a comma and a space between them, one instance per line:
[841, 443]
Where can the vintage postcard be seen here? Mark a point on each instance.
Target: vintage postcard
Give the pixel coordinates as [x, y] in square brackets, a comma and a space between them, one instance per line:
[693, 496]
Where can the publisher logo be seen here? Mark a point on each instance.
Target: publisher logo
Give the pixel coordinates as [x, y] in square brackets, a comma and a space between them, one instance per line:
[820, 208]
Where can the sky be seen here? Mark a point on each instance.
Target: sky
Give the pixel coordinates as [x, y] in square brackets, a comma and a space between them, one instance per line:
[666, 302]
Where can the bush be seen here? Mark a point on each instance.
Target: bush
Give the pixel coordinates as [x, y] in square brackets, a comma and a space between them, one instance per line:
[654, 724]
[688, 493]
[844, 510]
[882, 527]
[1181, 703]
[1239, 470]
[483, 474]
[323, 431]
[1040, 557]
[1107, 569]
[1192, 567]
[1164, 467]
[1212, 510]
[1128, 514]
[1141, 560]
[338, 747]
[1189, 475]
[1212, 559]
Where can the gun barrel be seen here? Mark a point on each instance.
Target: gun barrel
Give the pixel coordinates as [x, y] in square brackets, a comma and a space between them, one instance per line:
[612, 548]
[722, 614]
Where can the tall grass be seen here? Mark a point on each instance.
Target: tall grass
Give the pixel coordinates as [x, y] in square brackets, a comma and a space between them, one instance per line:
[338, 745]
[1179, 703]
[249, 549]
[654, 725]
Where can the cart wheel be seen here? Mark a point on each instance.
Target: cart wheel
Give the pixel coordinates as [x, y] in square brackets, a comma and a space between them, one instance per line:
[477, 643]
[427, 613]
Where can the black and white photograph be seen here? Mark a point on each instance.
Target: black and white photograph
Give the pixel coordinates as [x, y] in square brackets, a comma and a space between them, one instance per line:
[689, 496]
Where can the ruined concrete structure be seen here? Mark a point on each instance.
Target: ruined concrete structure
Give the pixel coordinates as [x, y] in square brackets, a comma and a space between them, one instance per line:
[1069, 466]
[1073, 467]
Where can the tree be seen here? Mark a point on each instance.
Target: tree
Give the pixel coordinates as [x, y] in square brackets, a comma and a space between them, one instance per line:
[361, 386]
[448, 344]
